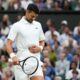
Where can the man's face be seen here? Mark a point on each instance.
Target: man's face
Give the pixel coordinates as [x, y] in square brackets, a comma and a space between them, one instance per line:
[30, 16]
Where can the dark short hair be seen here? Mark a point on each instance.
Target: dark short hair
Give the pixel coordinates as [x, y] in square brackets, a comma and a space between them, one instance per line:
[33, 7]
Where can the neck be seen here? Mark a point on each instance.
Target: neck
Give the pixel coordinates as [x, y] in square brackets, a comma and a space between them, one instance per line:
[27, 19]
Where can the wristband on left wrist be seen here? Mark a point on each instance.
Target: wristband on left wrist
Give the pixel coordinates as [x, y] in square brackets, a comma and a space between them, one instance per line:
[41, 47]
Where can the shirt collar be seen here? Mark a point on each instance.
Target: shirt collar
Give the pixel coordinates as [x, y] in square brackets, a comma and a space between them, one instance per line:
[24, 20]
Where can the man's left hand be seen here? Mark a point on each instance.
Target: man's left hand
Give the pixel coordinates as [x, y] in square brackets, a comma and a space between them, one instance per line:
[35, 49]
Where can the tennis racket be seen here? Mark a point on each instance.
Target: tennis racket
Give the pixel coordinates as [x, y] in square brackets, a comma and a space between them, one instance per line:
[29, 65]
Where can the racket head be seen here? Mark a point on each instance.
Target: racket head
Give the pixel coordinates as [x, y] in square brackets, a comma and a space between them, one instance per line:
[30, 65]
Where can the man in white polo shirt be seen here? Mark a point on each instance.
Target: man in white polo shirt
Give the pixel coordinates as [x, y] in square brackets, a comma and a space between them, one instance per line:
[29, 38]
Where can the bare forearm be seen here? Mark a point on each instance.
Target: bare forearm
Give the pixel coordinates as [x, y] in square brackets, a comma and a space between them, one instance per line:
[12, 55]
[9, 47]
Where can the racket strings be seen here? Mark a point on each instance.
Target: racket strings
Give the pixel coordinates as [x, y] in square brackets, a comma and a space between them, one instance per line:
[30, 65]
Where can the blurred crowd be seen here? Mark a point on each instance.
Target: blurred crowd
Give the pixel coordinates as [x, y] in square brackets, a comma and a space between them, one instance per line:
[61, 53]
[53, 5]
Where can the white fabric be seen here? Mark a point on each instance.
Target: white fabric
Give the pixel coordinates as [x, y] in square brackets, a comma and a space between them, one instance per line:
[24, 3]
[12, 55]
[20, 75]
[64, 39]
[48, 35]
[62, 67]
[26, 34]
[75, 32]
[64, 22]
[5, 31]
[1, 44]
[69, 74]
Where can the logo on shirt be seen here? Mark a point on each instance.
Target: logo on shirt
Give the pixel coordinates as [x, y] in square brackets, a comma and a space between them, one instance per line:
[36, 28]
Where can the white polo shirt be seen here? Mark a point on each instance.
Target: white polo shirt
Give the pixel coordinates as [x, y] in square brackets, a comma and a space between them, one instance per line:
[26, 34]
[69, 74]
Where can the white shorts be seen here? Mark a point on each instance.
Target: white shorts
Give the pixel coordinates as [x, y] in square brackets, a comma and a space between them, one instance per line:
[20, 75]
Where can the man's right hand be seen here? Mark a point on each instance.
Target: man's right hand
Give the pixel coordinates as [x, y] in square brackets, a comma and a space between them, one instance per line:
[15, 60]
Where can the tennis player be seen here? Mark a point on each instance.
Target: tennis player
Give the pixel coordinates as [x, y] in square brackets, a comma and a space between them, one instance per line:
[29, 38]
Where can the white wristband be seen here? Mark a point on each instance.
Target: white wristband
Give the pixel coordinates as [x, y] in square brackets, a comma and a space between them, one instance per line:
[10, 60]
[41, 47]
[12, 55]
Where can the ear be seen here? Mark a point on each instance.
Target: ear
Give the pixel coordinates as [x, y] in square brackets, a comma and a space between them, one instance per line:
[29, 11]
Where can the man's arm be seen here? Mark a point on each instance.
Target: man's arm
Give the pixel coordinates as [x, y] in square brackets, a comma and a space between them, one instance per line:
[41, 44]
[35, 49]
[9, 46]
[12, 55]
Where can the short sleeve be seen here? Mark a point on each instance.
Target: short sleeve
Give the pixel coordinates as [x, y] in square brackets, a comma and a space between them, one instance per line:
[13, 32]
[42, 37]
